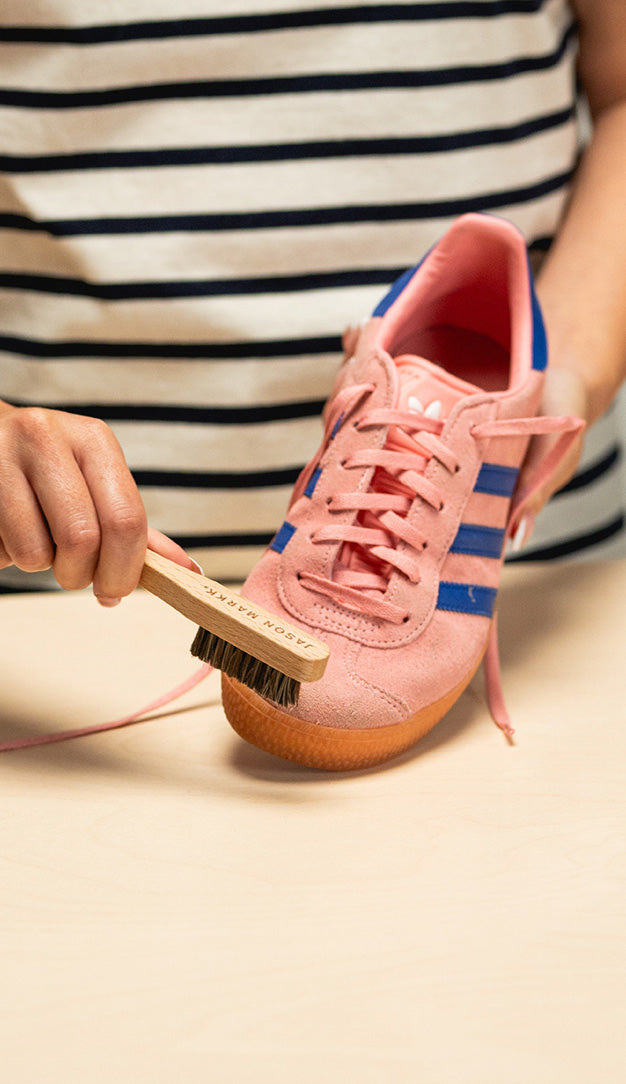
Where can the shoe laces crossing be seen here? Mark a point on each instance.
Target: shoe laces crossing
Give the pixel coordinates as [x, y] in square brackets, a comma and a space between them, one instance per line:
[380, 541]
[369, 550]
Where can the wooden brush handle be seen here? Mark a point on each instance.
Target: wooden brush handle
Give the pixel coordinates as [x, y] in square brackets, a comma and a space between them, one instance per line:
[235, 619]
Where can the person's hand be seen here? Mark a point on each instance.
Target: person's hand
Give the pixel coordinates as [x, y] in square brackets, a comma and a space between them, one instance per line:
[68, 502]
[564, 394]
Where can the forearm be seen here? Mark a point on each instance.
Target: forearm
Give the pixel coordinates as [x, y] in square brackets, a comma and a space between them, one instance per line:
[582, 286]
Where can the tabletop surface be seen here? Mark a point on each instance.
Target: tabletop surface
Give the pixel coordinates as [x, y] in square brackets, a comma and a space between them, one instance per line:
[179, 906]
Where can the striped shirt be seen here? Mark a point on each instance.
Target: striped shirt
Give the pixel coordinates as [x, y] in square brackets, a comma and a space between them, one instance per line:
[196, 198]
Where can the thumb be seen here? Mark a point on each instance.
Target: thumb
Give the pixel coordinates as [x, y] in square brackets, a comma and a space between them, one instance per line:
[564, 394]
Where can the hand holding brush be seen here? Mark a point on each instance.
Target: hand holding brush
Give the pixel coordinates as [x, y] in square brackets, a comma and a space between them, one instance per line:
[235, 635]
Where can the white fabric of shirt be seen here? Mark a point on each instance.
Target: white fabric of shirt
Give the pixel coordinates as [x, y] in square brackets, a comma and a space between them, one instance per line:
[196, 198]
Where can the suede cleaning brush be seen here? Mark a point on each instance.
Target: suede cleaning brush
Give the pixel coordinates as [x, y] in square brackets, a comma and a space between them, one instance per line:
[235, 635]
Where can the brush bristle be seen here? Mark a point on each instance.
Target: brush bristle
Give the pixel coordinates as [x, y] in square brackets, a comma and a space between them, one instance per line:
[257, 675]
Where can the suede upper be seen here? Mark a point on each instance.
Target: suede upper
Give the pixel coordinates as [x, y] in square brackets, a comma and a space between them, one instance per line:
[440, 600]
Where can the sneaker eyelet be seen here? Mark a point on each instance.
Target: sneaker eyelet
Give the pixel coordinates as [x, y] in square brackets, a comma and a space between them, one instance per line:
[406, 619]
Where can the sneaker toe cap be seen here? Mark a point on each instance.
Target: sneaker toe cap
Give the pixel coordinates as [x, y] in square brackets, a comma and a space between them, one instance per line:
[343, 698]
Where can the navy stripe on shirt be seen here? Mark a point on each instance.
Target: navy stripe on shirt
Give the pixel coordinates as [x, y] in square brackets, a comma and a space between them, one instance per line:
[188, 351]
[575, 543]
[193, 415]
[284, 152]
[301, 217]
[114, 33]
[285, 84]
[591, 473]
[134, 291]
[179, 479]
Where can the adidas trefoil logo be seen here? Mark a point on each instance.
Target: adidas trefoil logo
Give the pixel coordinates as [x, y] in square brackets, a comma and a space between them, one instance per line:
[433, 410]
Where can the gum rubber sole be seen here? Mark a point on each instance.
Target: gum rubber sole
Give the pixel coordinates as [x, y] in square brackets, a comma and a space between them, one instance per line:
[314, 746]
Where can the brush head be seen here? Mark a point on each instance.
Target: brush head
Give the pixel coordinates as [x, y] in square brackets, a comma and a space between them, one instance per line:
[258, 676]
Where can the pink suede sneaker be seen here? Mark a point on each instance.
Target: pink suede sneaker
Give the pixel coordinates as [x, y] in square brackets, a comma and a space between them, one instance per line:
[393, 545]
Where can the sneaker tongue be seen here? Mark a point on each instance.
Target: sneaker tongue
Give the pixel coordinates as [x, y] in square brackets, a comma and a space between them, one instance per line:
[426, 388]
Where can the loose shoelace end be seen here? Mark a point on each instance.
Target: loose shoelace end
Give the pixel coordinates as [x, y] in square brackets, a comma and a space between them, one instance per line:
[493, 684]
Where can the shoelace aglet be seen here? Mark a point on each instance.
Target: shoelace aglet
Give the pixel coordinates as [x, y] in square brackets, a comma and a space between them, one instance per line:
[507, 730]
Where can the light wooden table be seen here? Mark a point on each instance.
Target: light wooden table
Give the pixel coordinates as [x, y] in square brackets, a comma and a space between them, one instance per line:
[177, 906]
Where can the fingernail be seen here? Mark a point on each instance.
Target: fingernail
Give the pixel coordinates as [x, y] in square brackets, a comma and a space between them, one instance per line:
[519, 537]
[522, 533]
[108, 602]
[197, 567]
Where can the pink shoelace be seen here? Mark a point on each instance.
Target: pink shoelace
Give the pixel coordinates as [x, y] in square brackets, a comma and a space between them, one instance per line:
[136, 716]
[368, 553]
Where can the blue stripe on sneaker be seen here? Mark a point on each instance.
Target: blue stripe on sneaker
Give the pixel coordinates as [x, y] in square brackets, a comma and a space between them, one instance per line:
[496, 480]
[466, 598]
[540, 341]
[398, 286]
[477, 541]
[395, 291]
[336, 426]
[312, 482]
[282, 537]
